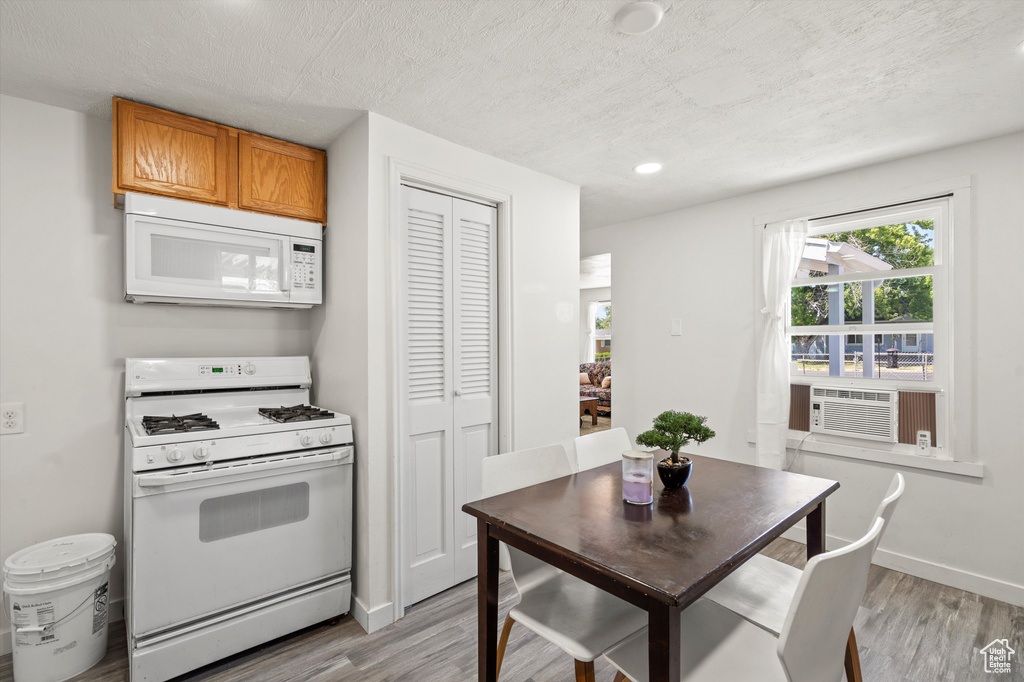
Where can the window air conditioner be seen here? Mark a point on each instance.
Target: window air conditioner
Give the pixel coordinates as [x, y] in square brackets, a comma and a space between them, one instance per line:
[855, 413]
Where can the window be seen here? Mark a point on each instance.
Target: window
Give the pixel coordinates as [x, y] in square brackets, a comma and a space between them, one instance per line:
[603, 331]
[869, 309]
[868, 302]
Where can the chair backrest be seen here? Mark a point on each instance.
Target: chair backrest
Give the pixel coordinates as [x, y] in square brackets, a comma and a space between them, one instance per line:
[512, 471]
[602, 447]
[817, 627]
[892, 496]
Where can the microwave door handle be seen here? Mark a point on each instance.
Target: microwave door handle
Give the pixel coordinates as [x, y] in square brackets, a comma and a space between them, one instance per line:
[286, 265]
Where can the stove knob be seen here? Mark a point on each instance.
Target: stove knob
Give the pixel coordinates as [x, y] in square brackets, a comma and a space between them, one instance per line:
[249, 368]
[201, 452]
[325, 438]
[306, 440]
[175, 455]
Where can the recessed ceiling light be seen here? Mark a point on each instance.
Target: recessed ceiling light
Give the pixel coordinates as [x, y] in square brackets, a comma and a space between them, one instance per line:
[638, 17]
[647, 168]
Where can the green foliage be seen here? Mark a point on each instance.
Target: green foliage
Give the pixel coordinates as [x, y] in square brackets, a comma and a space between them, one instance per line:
[905, 245]
[606, 321]
[673, 430]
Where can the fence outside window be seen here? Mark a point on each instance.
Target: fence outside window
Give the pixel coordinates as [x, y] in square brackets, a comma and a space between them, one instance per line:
[887, 365]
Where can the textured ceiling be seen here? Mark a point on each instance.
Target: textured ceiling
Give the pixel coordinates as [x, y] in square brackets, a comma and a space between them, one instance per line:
[730, 95]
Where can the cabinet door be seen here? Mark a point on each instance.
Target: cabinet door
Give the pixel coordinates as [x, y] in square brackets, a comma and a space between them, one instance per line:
[165, 153]
[281, 177]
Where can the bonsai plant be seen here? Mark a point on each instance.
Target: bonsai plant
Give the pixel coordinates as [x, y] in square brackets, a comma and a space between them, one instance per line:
[672, 431]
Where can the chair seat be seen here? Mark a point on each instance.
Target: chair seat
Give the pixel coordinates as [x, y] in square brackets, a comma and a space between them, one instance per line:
[715, 645]
[760, 591]
[577, 617]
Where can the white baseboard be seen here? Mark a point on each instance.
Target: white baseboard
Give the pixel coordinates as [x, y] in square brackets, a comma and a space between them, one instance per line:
[921, 568]
[375, 619]
[115, 612]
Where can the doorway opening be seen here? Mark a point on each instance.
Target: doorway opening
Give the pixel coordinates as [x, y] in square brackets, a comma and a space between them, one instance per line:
[595, 343]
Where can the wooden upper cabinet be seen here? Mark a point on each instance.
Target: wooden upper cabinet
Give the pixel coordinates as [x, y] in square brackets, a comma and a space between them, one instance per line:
[160, 152]
[281, 177]
[165, 153]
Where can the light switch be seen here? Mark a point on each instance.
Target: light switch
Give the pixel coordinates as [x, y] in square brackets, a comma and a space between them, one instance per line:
[677, 327]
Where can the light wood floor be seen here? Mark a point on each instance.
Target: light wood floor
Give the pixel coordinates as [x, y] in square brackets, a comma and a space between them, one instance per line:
[909, 630]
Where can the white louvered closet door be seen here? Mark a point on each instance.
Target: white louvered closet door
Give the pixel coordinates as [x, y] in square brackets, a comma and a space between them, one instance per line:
[449, 383]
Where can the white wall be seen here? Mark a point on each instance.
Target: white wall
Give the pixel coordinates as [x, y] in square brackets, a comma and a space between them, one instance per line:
[696, 264]
[586, 297]
[544, 233]
[340, 341]
[65, 330]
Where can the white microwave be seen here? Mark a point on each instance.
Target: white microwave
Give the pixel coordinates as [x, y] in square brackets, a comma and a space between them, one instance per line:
[193, 254]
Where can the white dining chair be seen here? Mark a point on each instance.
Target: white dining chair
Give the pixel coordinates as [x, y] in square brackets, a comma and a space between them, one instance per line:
[575, 616]
[603, 447]
[761, 589]
[716, 644]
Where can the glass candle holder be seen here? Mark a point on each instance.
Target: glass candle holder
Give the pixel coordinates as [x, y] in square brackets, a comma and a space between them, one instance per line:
[637, 477]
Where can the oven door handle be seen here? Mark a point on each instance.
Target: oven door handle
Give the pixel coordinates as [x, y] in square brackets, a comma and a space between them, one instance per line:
[247, 469]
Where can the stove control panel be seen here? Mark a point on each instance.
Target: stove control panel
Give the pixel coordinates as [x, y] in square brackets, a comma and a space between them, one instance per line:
[223, 370]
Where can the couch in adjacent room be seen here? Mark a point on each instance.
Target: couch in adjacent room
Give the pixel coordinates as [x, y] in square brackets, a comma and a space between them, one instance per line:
[596, 382]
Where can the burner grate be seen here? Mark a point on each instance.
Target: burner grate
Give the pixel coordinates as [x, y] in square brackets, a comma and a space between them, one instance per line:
[295, 413]
[176, 424]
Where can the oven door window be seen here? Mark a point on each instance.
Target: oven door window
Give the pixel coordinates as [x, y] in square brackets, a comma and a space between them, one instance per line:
[230, 515]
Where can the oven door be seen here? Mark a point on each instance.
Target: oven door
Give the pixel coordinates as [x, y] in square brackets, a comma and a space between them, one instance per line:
[178, 259]
[206, 540]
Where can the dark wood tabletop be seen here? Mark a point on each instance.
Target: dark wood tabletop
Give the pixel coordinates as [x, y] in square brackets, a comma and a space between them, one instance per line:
[660, 557]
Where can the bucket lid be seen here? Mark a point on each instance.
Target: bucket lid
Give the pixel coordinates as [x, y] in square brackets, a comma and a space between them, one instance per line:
[60, 557]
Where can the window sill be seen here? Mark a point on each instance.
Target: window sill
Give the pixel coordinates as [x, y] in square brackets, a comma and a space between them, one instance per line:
[819, 447]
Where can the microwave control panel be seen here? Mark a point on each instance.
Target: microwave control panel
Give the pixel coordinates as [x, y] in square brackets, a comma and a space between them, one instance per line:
[306, 268]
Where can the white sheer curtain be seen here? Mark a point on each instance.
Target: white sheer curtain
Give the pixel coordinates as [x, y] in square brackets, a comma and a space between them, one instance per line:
[592, 336]
[782, 249]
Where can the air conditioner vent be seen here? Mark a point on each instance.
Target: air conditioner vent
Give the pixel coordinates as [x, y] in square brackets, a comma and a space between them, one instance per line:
[855, 413]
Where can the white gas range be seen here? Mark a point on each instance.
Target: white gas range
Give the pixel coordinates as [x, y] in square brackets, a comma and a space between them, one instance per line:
[238, 508]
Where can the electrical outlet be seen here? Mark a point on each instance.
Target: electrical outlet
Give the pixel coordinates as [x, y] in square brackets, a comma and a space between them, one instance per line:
[12, 418]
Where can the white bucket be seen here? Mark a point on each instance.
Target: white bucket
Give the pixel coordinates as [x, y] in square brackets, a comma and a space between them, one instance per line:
[55, 597]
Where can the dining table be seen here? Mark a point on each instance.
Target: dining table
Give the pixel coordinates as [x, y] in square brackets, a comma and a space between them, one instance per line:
[661, 556]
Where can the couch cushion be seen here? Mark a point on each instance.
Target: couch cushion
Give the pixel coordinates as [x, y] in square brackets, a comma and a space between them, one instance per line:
[597, 371]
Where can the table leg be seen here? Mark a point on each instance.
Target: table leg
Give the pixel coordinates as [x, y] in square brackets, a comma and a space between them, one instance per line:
[487, 603]
[816, 530]
[663, 643]
[593, 416]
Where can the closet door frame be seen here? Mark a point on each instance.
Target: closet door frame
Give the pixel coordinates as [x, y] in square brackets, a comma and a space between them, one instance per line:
[403, 172]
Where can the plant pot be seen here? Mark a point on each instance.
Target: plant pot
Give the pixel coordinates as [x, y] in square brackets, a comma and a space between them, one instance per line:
[675, 475]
